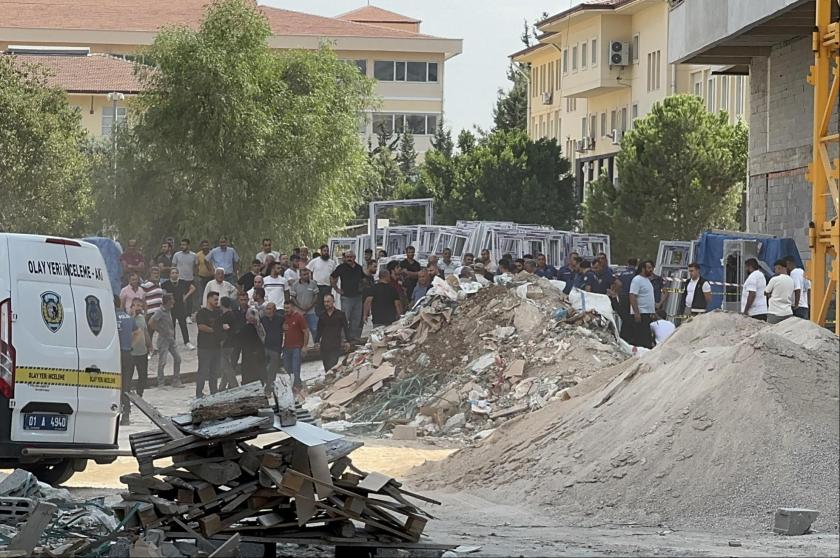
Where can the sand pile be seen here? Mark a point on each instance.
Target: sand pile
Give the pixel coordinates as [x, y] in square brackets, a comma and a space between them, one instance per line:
[722, 424]
[462, 367]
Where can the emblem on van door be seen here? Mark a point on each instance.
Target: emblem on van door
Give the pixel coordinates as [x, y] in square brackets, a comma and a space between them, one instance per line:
[52, 311]
[93, 311]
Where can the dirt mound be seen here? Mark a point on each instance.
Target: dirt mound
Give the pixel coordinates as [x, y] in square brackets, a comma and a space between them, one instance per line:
[463, 367]
[725, 422]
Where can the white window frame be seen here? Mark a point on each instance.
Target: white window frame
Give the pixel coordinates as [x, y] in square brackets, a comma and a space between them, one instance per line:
[604, 130]
[405, 71]
[566, 60]
[429, 130]
[724, 93]
[739, 96]
[635, 47]
[584, 55]
[122, 114]
[593, 55]
[575, 49]
[711, 96]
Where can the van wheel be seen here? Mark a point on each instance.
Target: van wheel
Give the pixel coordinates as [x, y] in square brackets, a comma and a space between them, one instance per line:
[54, 473]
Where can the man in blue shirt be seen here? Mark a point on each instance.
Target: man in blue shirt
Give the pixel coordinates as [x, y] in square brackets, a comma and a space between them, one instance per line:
[543, 269]
[643, 305]
[574, 279]
[127, 331]
[225, 256]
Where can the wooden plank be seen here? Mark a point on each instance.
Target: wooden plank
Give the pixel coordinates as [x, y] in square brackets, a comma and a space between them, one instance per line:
[216, 474]
[229, 548]
[201, 542]
[320, 470]
[158, 419]
[236, 502]
[250, 462]
[28, 536]
[240, 401]
[221, 428]
[374, 482]
[173, 445]
[210, 524]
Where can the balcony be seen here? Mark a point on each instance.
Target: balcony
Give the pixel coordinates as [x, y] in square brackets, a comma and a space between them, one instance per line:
[732, 32]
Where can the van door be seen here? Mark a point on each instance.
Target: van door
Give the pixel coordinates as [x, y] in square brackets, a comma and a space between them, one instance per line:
[45, 404]
[98, 346]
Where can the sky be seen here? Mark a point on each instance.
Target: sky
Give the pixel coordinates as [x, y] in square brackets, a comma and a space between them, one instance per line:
[490, 29]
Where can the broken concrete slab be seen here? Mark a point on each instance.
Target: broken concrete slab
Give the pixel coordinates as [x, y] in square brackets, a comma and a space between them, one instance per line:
[404, 432]
[793, 521]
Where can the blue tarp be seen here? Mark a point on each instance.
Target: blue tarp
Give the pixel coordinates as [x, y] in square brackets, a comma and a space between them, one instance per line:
[111, 252]
[710, 253]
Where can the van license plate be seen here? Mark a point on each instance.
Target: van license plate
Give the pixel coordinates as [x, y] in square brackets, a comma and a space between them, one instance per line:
[40, 421]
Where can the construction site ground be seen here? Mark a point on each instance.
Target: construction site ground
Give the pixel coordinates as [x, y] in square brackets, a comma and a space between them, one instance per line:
[473, 518]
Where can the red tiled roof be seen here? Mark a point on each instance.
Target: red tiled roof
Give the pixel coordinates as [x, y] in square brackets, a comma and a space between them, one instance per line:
[374, 14]
[97, 73]
[585, 5]
[151, 15]
[287, 22]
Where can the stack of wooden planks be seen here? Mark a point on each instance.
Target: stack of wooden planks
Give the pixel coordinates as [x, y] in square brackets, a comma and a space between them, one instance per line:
[235, 464]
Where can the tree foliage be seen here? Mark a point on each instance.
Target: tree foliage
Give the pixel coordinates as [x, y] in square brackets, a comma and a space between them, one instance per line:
[511, 110]
[501, 176]
[681, 170]
[232, 137]
[44, 167]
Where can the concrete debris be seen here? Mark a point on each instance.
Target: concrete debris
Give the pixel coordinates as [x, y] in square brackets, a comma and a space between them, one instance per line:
[480, 354]
[793, 521]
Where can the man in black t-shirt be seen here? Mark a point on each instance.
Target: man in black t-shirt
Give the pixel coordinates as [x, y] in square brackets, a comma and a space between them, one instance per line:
[351, 275]
[383, 301]
[246, 281]
[410, 270]
[209, 321]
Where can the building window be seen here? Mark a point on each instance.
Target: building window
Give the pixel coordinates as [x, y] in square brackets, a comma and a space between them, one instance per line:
[550, 76]
[566, 61]
[571, 104]
[574, 58]
[417, 124]
[739, 96]
[654, 70]
[593, 125]
[362, 66]
[613, 122]
[634, 49]
[710, 96]
[108, 118]
[559, 125]
[697, 84]
[623, 119]
[594, 56]
[363, 122]
[583, 127]
[634, 114]
[583, 56]
[389, 70]
[557, 71]
[603, 124]
[724, 93]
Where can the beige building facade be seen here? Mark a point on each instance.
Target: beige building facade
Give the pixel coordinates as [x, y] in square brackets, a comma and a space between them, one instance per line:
[602, 64]
[408, 66]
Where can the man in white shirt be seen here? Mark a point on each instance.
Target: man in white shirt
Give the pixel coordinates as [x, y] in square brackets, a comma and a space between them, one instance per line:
[753, 302]
[698, 292]
[292, 275]
[258, 284]
[662, 328]
[801, 286]
[779, 292]
[266, 251]
[218, 285]
[276, 287]
[446, 265]
[322, 266]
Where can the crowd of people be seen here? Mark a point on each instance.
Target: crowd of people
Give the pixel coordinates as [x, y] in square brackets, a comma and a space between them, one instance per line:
[255, 318]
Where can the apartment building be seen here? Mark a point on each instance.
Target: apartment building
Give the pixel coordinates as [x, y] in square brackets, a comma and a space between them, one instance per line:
[86, 50]
[602, 64]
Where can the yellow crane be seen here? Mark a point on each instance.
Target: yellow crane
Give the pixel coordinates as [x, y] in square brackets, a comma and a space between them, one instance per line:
[824, 173]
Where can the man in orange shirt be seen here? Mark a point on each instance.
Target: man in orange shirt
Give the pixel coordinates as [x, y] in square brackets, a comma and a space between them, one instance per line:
[295, 338]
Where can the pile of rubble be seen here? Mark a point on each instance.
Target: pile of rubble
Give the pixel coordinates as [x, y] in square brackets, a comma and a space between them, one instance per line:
[300, 486]
[469, 358]
[39, 520]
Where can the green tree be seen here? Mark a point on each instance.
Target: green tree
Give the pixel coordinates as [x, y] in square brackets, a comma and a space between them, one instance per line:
[501, 176]
[232, 137]
[681, 170]
[44, 167]
[511, 110]
[407, 157]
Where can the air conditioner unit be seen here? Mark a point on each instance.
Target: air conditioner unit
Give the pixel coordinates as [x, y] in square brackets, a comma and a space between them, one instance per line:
[580, 145]
[616, 137]
[619, 53]
[546, 98]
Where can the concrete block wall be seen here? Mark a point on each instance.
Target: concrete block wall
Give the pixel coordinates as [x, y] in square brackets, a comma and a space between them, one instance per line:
[781, 117]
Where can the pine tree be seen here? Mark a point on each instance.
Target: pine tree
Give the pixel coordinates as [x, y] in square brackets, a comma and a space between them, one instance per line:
[407, 157]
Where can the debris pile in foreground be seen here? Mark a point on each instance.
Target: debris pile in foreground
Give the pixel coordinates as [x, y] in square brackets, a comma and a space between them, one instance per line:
[39, 520]
[220, 484]
[727, 421]
[469, 359]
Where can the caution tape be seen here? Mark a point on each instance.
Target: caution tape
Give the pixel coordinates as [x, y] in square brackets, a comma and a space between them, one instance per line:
[67, 377]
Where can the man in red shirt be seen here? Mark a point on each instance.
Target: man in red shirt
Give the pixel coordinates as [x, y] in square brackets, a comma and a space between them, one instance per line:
[295, 338]
[132, 261]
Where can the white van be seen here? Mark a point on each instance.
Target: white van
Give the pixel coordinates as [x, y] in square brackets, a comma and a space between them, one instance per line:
[59, 357]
